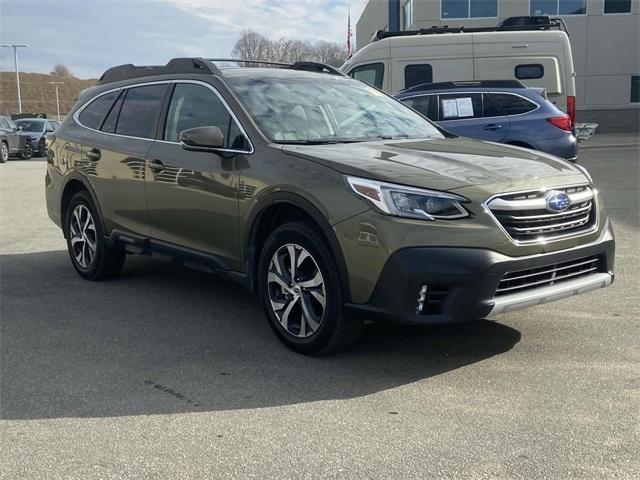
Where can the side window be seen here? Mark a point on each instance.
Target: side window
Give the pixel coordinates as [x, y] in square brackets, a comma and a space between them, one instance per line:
[425, 104]
[489, 107]
[417, 74]
[139, 111]
[94, 113]
[513, 104]
[109, 124]
[461, 105]
[527, 72]
[371, 74]
[3, 123]
[197, 106]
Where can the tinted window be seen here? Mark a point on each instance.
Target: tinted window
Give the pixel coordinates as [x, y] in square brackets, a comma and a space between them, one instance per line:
[371, 74]
[458, 106]
[513, 104]
[635, 89]
[469, 8]
[617, 6]
[557, 7]
[197, 106]
[109, 125]
[425, 104]
[417, 74]
[524, 72]
[94, 113]
[139, 111]
[489, 108]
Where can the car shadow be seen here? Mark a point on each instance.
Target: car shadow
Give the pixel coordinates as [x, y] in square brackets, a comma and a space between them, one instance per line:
[164, 339]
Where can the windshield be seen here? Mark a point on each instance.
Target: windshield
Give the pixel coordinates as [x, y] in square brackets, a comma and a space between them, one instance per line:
[323, 109]
[31, 125]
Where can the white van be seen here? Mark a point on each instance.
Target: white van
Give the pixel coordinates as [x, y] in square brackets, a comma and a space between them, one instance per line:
[537, 57]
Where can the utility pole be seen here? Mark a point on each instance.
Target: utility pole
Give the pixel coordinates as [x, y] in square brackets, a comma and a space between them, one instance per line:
[57, 97]
[15, 47]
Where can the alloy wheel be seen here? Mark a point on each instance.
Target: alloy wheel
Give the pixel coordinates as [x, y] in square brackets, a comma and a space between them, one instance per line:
[4, 152]
[83, 236]
[296, 290]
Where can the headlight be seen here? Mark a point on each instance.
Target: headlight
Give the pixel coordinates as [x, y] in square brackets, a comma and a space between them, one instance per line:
[409, 202]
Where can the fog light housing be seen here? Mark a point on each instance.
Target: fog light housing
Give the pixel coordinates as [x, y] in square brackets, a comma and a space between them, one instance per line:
[422, 296]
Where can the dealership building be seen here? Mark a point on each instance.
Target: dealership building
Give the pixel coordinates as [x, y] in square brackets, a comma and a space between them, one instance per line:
[604, 35]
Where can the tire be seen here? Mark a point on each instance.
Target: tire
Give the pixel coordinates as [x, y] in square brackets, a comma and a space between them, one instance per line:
[42, 149]
[294, 307]
[4, 152]
[27, 153]
[83, 229]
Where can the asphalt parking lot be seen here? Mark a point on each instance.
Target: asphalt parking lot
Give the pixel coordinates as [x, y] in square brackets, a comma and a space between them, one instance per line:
[172, 373]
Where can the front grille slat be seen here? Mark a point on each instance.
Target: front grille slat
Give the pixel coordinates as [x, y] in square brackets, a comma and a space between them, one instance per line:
[525, 218]
[518, 281]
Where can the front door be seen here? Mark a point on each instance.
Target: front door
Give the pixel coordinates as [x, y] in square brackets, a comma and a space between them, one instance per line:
[192, 196]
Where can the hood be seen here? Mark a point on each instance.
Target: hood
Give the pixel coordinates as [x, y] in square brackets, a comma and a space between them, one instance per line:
[442, 164]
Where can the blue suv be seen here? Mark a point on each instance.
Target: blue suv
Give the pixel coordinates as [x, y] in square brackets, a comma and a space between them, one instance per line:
[502, 111]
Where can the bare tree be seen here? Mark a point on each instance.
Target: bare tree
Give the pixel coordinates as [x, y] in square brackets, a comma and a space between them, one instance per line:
[60, 70]
[253, 46]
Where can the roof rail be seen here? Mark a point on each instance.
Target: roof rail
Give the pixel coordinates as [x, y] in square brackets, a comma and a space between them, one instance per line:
[303, 65]
[176, 65]
[467, 83]
[510, 24]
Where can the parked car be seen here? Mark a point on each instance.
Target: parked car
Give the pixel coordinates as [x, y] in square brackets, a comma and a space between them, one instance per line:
[13, 141]
[332, 200]
[498, 111]
[535, 50]
[37, 128]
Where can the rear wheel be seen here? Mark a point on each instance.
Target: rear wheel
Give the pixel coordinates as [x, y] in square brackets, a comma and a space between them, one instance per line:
[301, 293]
[4, 152]
[90, 256]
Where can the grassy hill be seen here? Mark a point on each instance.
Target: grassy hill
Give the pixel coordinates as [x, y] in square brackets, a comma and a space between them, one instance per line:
[38, 95]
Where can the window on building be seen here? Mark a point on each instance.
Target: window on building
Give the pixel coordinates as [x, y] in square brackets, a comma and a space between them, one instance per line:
[558, 7]
[417, 74]
[635, 89]
[469, 9]
[94, 113]
[197, 106]
[513, 104]
[140, 110]
[407, 15]
[372, 74]
[617, 6]
[528, 72]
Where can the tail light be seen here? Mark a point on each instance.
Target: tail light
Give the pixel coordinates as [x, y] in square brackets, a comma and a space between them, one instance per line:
[571, 110]
[563, 122]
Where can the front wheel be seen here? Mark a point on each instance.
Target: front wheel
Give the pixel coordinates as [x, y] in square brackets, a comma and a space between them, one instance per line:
[4, 152]
[301, 293]
[27, 152]
[90, 256]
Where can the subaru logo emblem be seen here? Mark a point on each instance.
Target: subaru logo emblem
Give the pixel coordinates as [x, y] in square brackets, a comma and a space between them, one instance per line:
[557, 201]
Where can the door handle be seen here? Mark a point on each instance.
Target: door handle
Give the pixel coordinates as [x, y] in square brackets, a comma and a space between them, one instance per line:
[156, 165]
[493, 126]
[93, 154]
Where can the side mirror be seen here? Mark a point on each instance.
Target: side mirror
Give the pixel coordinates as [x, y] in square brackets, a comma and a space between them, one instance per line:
[202, 138]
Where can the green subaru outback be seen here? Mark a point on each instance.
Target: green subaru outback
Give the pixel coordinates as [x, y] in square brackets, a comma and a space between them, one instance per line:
[336, 203]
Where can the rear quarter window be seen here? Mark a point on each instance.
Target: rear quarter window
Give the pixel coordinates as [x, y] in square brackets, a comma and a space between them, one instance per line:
[93, 114]
[529, 72]
[513, 104]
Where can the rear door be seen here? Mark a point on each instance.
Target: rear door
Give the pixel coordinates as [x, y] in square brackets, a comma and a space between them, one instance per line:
[193, 195]
[124, 125]
[473, 115]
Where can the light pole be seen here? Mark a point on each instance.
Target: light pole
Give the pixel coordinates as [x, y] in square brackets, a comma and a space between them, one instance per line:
[15, 47]
[57, 97]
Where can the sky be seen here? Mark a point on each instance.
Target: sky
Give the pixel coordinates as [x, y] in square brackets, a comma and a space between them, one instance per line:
[89, 36]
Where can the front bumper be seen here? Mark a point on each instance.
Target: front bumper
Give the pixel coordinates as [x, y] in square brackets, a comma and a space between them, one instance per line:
[467, 279]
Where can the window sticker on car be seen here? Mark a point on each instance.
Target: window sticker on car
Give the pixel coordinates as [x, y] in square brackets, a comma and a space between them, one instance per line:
[449, 108]
[465, 107]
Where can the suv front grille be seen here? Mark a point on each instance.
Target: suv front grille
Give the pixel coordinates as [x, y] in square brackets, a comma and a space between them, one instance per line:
[514, 282]
[526, 218]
